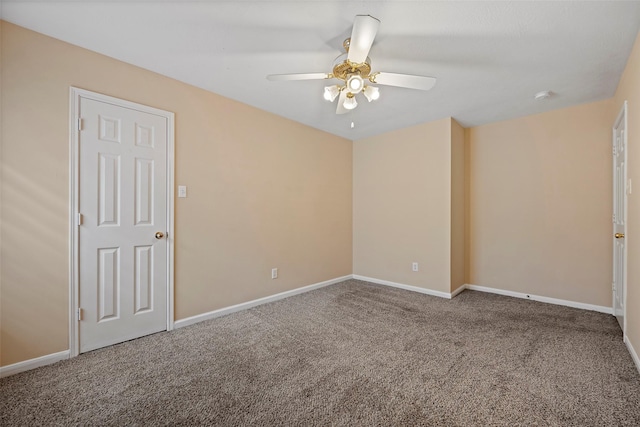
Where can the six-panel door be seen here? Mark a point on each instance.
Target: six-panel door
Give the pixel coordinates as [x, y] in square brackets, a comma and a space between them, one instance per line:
[123, 266]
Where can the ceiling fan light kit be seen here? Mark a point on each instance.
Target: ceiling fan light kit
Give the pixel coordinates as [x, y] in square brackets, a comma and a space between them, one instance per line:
[331, 92]
[354, 67]
[371, 92]
[350, 103]
[355, 84]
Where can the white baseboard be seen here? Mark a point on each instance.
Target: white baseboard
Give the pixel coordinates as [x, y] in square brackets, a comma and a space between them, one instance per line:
[406, 287]
[27, 365]
[556, 301]
[249, 304]
[633, 353]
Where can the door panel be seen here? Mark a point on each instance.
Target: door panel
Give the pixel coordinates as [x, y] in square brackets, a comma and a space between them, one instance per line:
[143, 284]
[108, 283]
[123, 199]
[144, 192]
[109, 189]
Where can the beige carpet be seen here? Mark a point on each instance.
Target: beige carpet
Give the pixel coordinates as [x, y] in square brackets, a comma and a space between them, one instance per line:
[350, 354]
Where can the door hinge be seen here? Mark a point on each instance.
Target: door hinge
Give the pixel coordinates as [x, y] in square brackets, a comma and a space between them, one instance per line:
[79, 123]
[79, 314]
[79, 219]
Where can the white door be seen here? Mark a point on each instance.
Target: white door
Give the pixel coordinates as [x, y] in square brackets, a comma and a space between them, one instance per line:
[619, 215]
[122, 245]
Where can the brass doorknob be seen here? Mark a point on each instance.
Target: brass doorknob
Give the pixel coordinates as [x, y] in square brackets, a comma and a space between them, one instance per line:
[619, 235]
[159, 235]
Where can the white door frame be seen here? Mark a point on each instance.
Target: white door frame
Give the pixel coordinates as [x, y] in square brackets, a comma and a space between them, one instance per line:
[74, 143]
[622, 115]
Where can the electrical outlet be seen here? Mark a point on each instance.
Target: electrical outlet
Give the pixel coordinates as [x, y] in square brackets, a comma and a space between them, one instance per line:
[414, 266]
[274, 273]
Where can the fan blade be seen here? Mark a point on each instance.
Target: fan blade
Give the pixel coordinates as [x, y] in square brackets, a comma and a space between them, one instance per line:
[404, 80]
[364, 31]
[340, 108]
[305, 76]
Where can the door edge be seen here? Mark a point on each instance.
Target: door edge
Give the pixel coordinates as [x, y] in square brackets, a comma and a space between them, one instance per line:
[622, 117]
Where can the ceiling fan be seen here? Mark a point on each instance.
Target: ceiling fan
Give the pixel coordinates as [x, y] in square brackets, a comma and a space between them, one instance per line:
[353, 68]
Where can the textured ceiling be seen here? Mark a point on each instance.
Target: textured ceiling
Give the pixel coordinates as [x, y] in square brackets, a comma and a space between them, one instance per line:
[490, 58]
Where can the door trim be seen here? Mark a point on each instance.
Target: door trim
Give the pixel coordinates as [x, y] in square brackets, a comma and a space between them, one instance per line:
[622, 115]
[75, 94]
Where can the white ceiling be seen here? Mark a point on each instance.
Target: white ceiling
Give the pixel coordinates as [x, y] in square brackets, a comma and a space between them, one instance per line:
[490, 58]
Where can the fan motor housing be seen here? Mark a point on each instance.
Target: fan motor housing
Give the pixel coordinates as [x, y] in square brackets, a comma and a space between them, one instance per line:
[343, 68]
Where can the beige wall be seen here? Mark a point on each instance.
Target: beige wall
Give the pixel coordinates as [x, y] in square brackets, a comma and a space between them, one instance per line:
[402, 206]
[540, 204]
[263, 192]
[457, 206]
[629, 90]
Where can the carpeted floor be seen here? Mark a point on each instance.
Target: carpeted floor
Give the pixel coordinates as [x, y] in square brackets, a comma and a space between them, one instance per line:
[350, 354]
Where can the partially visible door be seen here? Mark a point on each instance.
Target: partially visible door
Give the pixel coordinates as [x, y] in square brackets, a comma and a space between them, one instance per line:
[123, 275]
[619, 215]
